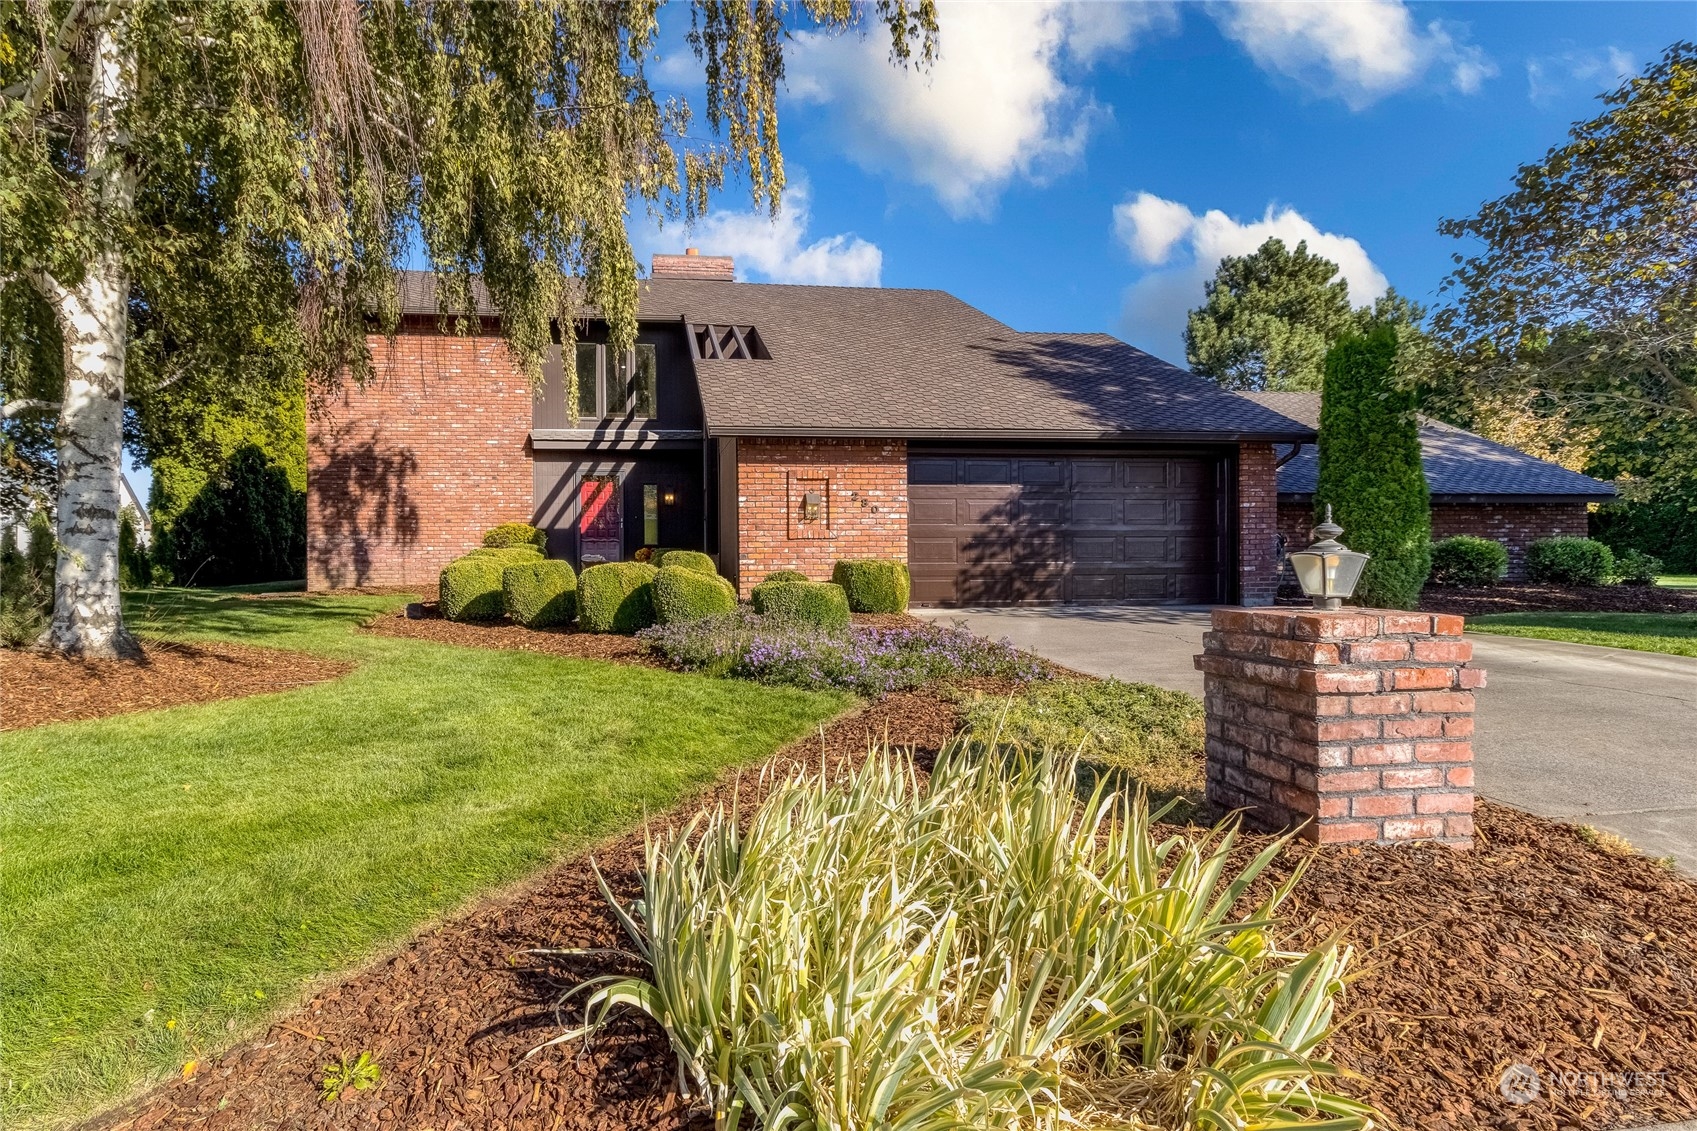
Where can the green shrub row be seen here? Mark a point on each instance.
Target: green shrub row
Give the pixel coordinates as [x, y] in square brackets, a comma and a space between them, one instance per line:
[540, 594]
[509, 534]
[685, 593]
[1468, 560]
[687, 559]
[874, 585]
[616, 597]
[819, 603]
[1569, 561]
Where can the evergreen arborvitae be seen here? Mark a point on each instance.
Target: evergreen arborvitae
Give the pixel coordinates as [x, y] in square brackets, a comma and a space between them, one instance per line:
[1370, 469]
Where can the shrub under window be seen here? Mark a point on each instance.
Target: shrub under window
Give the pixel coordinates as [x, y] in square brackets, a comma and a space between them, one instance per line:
[1468, 560]
[1569, 561]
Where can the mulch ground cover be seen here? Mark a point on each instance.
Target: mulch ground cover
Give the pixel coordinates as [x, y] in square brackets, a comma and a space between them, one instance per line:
[1535, 948]
[425, 622]
[51, 689]
[1533, 597]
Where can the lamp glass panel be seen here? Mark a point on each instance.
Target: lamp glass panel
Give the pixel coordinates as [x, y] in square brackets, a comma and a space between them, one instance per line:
[1310, 572]
[1346, 573]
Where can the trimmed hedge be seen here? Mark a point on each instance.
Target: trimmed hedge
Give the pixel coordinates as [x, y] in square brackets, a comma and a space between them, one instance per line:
[470, 587]
[682, 593]
[1468, 560]
[1569, 561]
[540, 594]
[508, 555]
[819, 603]
[874, 585]
[787, 575]
[616, 597]
[687, 559]
[1370, 469]
[510, 534]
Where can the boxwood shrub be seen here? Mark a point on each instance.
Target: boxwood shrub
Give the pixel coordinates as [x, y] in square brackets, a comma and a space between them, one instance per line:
[686, 559]
[470, 588]
[1468, 560]
[616, 597]
[874, 585]
[787, 575]
[1569, 561]
[510, 534]
[540, 594]
[820, 603]
[509, 555]
[683, 593]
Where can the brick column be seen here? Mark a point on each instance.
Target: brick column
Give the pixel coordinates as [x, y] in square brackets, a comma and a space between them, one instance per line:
[1355, 724]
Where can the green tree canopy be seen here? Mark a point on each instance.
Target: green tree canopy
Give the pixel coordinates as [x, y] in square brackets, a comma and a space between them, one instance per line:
[1269, 319]
[231, 186]
[1370, 470]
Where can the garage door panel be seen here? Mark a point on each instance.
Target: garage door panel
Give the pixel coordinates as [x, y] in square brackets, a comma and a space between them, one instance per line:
[984, 529]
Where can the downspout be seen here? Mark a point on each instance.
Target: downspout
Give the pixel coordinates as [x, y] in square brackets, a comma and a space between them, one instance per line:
[1294, 449]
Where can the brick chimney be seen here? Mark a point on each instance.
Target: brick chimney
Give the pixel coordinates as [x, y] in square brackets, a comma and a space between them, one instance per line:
[693, 265]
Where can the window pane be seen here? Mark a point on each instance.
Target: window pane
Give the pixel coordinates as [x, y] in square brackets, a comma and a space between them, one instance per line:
[642, 391]
[586, 374]
[650, 514]
[618, 386]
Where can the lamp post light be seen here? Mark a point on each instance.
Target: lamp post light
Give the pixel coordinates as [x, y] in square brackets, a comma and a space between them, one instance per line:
[1328, 570]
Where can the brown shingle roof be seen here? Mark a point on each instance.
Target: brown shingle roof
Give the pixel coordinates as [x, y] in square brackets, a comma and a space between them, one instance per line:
[1456, 461]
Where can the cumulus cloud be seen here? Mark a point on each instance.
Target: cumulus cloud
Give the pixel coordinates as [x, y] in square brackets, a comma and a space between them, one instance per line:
[1184, 248]
[1547, 78]
[996, 106]
[1359, 52]
[776, 250]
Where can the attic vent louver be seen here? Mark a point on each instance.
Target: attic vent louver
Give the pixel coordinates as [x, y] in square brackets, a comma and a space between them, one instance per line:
[727, 343]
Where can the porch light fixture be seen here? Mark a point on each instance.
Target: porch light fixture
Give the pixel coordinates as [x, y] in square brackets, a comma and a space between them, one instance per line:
[1328, 570]
[811, 502]
[669, 497]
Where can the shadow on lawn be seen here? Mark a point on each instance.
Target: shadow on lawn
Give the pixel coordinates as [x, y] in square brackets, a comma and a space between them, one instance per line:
[224, 613]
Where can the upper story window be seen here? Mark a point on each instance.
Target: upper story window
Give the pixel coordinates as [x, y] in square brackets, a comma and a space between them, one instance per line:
[728, 343]
[612, 385]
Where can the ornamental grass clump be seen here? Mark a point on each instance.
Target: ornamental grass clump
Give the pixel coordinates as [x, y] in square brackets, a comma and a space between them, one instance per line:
[985, 949]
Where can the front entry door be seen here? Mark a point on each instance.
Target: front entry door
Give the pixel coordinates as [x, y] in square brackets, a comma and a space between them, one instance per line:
[600, 528]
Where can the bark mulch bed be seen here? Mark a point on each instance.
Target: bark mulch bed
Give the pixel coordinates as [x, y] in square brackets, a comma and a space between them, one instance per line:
[424, 622]
[1535, 947]
[1535, 597]
[51, 689]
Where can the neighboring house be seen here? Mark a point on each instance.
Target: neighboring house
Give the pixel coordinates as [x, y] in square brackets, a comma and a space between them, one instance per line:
[1478, 486]
[785, 427]
[127, 498]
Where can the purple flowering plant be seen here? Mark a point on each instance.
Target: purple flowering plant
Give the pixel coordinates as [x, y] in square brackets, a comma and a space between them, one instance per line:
[868, 661]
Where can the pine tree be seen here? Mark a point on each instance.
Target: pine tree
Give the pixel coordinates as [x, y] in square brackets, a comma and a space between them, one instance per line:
[1370, 469]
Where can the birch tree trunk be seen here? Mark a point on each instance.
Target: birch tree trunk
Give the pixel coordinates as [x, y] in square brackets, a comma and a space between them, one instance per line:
[93, 317]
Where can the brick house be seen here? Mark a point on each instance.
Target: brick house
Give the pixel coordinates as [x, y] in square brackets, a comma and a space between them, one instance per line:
[1478, 486]
[785, 427]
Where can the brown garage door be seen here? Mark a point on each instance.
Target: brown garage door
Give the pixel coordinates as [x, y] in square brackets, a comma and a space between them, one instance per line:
[1000, 529]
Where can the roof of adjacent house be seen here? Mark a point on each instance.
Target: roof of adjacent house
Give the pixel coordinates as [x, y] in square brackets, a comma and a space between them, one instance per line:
[1457, 462]
[879, 361]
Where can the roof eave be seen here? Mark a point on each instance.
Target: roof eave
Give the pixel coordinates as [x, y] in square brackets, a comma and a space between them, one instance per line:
[1011, 434]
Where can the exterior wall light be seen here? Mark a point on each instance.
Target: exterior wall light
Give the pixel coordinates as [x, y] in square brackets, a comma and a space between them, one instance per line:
[1328, 570]
[811, 504]
[669, 497]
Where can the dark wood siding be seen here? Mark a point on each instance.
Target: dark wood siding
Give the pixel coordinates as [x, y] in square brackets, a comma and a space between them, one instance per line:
[998, 528]
[559, 475]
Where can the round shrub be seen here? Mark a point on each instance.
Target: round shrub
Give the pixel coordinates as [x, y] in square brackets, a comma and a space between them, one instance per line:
[682, 593]
[820, 603]
[1569, 561]
[616, 597]
[874, 585]
[471, 588]
[1635, 567]
[510, 534]
[1468, 560]
[687, 559]
[507, 555]
[787, 575]
[540, 594]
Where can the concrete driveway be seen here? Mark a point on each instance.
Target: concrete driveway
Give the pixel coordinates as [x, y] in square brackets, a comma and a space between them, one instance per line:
[1598, 736]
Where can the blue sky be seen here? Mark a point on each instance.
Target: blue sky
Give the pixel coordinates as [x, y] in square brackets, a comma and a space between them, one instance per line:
[1083, 167]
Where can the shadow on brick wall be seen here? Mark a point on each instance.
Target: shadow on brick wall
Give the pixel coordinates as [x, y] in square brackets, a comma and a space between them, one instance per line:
[360, 504]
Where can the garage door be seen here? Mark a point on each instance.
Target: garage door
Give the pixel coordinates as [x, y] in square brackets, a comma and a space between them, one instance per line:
[997, 529]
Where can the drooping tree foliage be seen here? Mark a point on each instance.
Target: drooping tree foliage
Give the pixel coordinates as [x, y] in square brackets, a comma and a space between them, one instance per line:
[1370, 472]
[222, 192]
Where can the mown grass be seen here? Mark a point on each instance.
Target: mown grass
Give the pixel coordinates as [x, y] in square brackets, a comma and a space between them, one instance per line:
[1672, 633]
[173, 877]
[1677, 581]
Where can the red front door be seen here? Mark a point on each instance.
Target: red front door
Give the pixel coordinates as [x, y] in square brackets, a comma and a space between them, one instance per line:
[600, 526]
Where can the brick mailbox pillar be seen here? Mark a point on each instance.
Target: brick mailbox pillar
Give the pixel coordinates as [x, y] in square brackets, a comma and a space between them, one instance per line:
[1356, 724]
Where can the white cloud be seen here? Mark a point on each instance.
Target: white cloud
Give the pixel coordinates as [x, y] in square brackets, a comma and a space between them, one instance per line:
[1359, 51]
[772, 250]
[1547, 78]
[997, 104]
[1186, 248]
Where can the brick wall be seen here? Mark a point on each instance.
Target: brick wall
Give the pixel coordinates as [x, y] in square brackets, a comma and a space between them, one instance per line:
[1257, 524]
[1515, 525]
[862, 486]
[406, 473]
[1356, 724]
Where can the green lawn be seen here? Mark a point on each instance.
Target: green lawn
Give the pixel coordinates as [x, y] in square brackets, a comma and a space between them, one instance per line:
[1673, 633]
[173, 877]
[1678, 580]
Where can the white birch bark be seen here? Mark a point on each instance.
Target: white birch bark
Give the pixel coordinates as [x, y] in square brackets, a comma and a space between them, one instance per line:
[93, 317]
